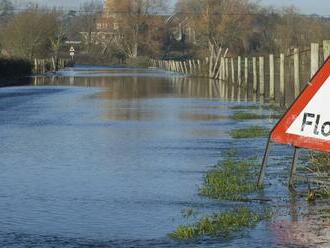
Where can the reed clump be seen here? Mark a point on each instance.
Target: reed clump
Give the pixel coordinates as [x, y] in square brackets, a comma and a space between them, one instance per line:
[249, 132]
[230, 180]
[220, 224]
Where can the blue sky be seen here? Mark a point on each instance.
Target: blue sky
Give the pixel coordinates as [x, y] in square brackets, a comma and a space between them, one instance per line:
[321, 7]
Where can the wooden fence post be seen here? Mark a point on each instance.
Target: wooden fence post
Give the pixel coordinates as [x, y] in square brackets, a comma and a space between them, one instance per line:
[223, 68]
[239, 70]
[296, 73]
[246, 71]
[191, 67]
[282, 78]
[326, 49]
[232, 70]
[185, 67]
[262, 76]
[227, 69]
[255, 78]
[271, 76]
[315, 48]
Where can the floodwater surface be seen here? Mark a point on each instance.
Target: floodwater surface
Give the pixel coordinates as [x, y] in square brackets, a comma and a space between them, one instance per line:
[101, 157]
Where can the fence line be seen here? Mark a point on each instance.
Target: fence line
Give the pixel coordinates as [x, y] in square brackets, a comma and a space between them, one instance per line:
[42, 66]
[279, 79]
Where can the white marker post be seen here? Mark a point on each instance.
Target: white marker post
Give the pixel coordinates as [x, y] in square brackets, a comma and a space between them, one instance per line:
[72, 53]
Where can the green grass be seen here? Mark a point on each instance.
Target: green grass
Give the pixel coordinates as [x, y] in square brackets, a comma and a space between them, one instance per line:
[270, 107]
[319, 167]
[320, 161]
[249, 132]
[273, 107]
[230, 180]
[243, 107]
[239, 116]
[221, 224]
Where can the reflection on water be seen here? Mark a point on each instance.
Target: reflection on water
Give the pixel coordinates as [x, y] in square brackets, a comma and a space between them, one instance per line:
[141, 83]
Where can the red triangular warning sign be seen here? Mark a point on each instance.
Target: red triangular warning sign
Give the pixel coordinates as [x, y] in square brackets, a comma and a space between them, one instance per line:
[307, 122]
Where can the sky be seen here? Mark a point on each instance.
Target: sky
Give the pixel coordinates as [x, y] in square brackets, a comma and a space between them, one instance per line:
[321, 7]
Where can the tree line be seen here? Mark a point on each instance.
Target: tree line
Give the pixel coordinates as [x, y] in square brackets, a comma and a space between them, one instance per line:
[141, 28]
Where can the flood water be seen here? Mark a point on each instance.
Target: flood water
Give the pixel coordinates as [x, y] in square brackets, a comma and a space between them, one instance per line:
[101, 157]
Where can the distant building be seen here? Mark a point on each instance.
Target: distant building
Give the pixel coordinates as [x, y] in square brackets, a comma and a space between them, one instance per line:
[115, 18]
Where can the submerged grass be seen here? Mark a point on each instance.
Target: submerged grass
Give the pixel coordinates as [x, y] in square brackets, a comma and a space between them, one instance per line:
[269, 107]
[319, 167]
[249, 132]
[230, 180]
[238, 116]
[243, 107]
[221, 224]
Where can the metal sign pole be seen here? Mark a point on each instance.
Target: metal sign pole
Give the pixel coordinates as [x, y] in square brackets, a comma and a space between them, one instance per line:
[292, 179]
[264, 163]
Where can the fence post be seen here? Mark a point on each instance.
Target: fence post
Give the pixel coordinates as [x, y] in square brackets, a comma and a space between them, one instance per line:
[227, 69]
[282, 78]
[262, 75]
[296, 73]
[232, 70]
[255, 79]
[315, 48]
[211, 61]
[239, 70]
[191, 67]
[271, 76]
[326, 49]
[185, 67]
[246, 71]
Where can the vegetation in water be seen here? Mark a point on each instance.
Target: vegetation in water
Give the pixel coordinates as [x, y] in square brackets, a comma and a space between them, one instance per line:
[249, 132]
[319, 169]
[251, 116]
[243, 107]
[274, 107]
[230, 180]
[220, 224]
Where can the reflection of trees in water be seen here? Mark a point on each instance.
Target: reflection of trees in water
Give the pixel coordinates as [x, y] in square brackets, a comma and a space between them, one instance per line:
[125, 94]
[138, 87]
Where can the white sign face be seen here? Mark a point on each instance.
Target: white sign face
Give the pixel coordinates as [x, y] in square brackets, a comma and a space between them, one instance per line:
[72, 49]
[71, 54]
[314, 120]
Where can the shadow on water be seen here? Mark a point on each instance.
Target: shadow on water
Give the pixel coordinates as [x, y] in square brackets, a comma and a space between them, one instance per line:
[109, 157]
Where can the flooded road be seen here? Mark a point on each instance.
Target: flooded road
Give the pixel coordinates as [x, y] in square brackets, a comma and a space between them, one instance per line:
[101, 157]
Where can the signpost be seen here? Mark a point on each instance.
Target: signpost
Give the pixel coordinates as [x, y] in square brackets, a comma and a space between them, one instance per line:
[307, 122]
[72, 52]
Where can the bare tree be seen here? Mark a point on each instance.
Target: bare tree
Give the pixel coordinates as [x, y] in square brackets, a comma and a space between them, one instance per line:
[134, 19]
[28, 34]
